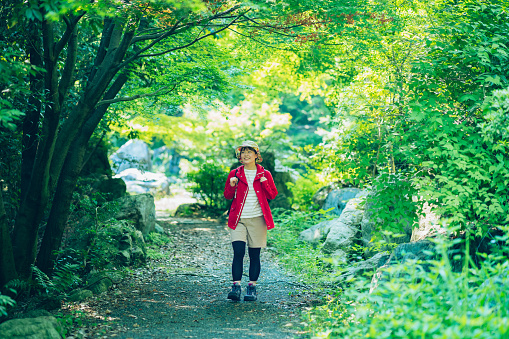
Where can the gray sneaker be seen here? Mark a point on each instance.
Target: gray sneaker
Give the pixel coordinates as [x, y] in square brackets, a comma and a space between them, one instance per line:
[235, 292]
[250, 293]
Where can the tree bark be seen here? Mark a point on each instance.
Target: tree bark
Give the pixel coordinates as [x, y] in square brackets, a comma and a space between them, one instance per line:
[32, 116]
[33, 205]
[74, 137]
[67, 183]
[7, 266]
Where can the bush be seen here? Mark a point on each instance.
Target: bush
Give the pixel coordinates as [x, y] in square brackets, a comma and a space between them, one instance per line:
[392, 205]
[209, 184]
[303, 190]
[435, 302]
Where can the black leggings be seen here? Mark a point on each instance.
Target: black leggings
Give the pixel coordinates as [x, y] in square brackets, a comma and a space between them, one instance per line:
[239, 250]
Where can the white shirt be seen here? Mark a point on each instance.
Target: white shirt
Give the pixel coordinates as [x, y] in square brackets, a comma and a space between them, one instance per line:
[252, 206]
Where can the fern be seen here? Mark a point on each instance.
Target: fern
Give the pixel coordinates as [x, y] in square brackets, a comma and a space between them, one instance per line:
[42, 280]
[64, 278]
[5, 301]
[18, 286]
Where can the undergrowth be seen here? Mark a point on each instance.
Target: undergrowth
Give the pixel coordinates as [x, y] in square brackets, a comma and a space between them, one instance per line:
[298, 256]
[156, 245]
[421, 301]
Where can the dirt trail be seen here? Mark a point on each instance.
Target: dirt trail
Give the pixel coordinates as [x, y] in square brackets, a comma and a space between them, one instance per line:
[183, 295]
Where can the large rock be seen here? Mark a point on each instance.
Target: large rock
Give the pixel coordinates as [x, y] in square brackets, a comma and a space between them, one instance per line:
[341, 236]
[139, 182]
[316, 233]
[353, 212]
[166, 160]
[133, 154]
[101, 187]
[100, 282]
[113, 188]
[421, 251]
[320, 195]
[344, 230]
[140, 210]
[338, 198]
[365, 266]
[352, 215]
[114, 244]
[30, 328]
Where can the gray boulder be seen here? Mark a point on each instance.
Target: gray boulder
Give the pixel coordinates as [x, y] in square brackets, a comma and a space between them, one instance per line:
[117, 241]
[338, 198]
[420, 251]
[316, 233]
[341, 236]
[140, 210]
[352, 213]
[133, 154]
[365, 266]
[139, 182]
[114, 188]
[344, 230]
[159, 229]
[99, 282]
[320, 195]
[30, 328]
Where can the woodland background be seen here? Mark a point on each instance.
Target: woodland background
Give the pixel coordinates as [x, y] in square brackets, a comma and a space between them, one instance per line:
[409, 99]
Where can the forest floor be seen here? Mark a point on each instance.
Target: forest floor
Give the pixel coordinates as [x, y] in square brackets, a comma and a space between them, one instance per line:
[182, 294]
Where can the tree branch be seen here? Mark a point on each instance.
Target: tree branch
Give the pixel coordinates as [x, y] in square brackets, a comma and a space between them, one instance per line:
[134, 97]
[191, 43]
[71, 25]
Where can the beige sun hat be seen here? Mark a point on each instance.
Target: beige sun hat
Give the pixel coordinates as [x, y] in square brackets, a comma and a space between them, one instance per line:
[253, 145]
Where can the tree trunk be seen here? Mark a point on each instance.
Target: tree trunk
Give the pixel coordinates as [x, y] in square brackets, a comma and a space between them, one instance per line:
[36, 200]
[60, 208]
[33, 113]
[7, 267]
[67, 183]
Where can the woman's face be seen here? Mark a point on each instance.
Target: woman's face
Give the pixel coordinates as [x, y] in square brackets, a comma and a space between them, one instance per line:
[248, 156]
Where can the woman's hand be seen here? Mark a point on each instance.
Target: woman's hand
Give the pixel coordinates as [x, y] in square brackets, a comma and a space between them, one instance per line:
[233, 181]
[262, 179]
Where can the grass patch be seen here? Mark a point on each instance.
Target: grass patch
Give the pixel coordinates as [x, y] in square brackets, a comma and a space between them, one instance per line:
[301, 258]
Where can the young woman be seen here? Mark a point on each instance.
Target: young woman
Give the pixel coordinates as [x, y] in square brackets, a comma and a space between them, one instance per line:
[249, 185]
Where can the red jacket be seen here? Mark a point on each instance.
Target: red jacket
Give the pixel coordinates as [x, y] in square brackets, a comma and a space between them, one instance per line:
[264, 190]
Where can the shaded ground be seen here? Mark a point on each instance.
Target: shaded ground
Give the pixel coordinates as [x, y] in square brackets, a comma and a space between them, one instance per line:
[183, 294]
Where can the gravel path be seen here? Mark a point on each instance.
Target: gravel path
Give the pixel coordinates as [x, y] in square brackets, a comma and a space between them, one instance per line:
[183, 294]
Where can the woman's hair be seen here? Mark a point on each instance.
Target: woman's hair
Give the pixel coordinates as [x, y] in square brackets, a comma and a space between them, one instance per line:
[258, 156]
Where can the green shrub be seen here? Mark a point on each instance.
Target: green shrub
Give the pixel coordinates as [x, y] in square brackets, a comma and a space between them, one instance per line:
[421, 303]
[392, 205]
[209, 183]
[303, 190]
[156, 243]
